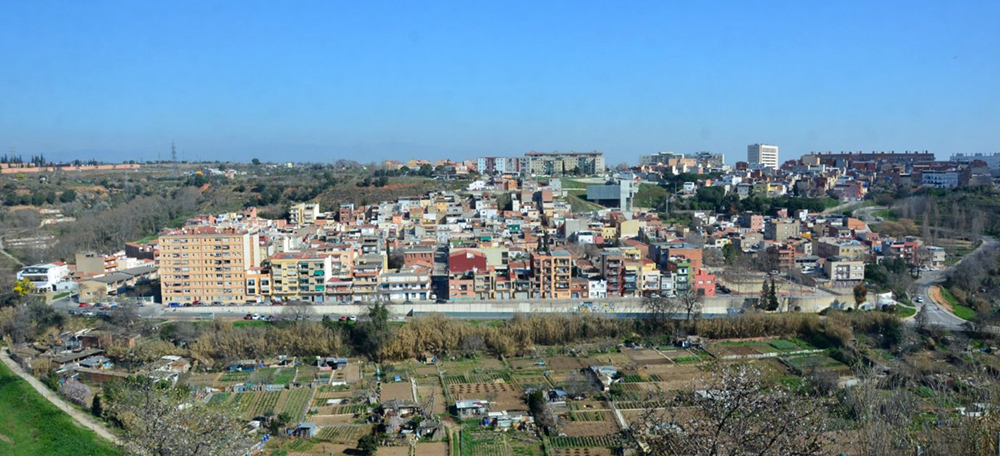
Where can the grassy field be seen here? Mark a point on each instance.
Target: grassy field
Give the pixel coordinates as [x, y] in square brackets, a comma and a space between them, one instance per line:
[30, 425]
[578, 203]
[650, 195]
[568, 183]
[905, 312]
[963, 312]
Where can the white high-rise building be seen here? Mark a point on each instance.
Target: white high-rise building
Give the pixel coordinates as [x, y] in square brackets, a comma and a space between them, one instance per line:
[765, 155]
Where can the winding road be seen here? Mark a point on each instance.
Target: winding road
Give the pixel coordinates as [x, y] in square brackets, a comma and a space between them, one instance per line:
[938, 315]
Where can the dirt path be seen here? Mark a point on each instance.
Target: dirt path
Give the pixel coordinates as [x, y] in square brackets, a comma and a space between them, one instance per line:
[935, 294]
[81, 418]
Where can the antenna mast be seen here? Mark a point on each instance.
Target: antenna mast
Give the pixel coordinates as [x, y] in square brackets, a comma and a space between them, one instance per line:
[173, 157]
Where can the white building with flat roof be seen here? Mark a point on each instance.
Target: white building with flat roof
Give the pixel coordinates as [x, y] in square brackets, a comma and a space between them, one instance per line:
[44, 276]
[992, 160]
[765, 155]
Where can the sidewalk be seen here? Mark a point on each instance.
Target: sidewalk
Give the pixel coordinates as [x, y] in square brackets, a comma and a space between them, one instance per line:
[81, 418]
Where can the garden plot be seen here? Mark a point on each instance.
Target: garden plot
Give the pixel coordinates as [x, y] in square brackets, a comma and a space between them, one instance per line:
[565, 363]
[589, 415]
[293, 402]
[583, 452]
[325, 393]
[344, 433]
[306, 374]
[394, 451]
[400, 391]
[232, 378]
[256, 403]
[646, 357]
[502, 395]
[614, 359]
[588, 428]
[681, 355]
[426, 370]
[531, 380]
[484, 443]
[431, 449]
[330, 420]
[528, 364]
[203, 380]
[587, 404]
[469, 365]
[477, 377]
[676, 377]
[591, 442]
[819, 362]
[440, 401]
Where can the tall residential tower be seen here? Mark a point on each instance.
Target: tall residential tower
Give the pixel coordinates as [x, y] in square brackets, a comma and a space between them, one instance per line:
[765, 155]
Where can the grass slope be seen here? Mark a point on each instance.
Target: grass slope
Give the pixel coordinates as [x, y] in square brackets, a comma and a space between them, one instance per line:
[30, 425]
[963, 312]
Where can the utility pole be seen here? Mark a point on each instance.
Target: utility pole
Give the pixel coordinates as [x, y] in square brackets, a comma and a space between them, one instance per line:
[173, 157]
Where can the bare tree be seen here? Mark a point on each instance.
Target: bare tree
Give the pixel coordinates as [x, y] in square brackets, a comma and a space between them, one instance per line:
[296, 311]
[881, 416]
[739, 413]
[125, 317]
[659, 309]
[690, 303]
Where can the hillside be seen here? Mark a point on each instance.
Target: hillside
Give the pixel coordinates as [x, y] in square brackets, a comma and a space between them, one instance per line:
[30, 425]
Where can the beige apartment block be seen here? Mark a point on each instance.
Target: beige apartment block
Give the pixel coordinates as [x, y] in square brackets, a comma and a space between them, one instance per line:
[207, 264]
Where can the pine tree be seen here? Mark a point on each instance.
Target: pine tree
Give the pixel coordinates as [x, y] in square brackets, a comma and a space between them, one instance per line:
[773, 304]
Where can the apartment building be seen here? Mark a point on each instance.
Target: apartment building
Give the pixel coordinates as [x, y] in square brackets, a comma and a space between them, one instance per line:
[300, 276]
[613, 270]
[303, 213]
[552, 273]
[781, 230]
[93, 263]
[827, 247]
[765, 155]
[566, 162]
[406, 285]
[840, 269]
[207, 264]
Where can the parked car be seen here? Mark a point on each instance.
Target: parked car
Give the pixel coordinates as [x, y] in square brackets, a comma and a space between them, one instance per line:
[248, 317]
[174, 304]
[217, 303]
[343, 318]
[352, 318]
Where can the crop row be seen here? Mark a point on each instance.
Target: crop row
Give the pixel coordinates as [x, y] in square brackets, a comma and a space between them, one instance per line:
[605, 441]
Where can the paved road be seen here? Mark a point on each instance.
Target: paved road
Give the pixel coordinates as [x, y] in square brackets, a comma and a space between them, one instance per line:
[938, 315]
[865, 213]
[81, 418]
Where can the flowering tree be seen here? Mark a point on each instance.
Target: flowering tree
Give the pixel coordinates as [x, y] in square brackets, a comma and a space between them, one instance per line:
[170, 422]
[739, 413]
[75, 391]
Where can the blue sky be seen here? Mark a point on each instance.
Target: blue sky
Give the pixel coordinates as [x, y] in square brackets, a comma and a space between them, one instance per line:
[322, 80]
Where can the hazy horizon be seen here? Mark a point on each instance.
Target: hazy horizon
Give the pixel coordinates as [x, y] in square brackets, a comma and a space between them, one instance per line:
[317, 81]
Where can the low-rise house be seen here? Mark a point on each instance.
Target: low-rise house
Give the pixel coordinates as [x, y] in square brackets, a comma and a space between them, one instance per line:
[604, 375]
[471, 408]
